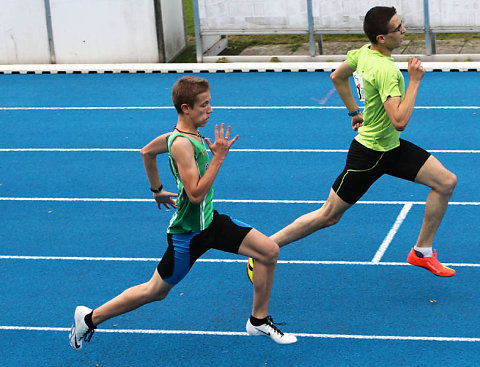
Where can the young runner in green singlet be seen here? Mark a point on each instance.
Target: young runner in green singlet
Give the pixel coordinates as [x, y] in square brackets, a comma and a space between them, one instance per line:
[195, 227]
[190, 217]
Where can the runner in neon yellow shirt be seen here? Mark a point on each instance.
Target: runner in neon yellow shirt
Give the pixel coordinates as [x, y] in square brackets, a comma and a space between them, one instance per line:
[381, 80]
[378, 149]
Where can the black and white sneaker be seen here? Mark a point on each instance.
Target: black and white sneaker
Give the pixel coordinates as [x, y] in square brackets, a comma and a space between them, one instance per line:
[271, 330]
[80, 331]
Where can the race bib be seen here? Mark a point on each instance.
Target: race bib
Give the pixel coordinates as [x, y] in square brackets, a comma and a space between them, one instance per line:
[359, 84]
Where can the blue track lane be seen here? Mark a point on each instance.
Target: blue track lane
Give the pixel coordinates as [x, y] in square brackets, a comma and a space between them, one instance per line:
[347, 310]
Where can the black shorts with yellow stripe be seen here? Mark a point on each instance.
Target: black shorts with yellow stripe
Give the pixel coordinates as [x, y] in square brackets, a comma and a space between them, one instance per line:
[364, 166]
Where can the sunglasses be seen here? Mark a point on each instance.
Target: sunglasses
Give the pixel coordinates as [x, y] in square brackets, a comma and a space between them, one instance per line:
[398, 29]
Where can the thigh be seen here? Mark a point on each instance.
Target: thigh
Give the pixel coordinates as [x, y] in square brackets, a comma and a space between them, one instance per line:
[433, 174]
[407, 160]
[257, 245]
[363, 167]
[178, 258]
[228, 233]
[158, 285]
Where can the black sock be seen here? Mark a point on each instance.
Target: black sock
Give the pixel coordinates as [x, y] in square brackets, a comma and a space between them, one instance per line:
[89, 322]
[257, 322]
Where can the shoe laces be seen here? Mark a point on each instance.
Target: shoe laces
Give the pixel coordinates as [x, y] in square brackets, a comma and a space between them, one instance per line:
[273, 325]
[88, 335]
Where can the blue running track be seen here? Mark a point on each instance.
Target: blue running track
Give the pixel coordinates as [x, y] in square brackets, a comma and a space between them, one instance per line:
[79, 226]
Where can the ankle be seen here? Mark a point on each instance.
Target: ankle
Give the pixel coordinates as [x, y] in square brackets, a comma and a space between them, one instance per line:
[257, 322]
[89, 321]
[424, 251]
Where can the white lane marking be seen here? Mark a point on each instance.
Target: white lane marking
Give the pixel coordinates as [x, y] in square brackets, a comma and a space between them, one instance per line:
[391, 234]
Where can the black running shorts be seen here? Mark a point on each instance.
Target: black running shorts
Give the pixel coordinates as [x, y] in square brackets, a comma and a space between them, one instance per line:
[224, 234]
[364, 166]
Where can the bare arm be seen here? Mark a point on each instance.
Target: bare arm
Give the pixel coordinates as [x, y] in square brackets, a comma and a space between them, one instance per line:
[182, 152]
[340, 78]
[400, 111]
[149, 156]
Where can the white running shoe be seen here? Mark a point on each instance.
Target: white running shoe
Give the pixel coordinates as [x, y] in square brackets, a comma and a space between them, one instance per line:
[80, 331]
[271, 330]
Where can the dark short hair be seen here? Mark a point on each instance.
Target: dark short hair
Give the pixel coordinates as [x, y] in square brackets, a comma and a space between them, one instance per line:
[186, 90]
[376, 21]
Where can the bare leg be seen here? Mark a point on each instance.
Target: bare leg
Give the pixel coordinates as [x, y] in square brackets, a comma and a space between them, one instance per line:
[265, 252]
[442, 183]
[328, 215]
[153, 290]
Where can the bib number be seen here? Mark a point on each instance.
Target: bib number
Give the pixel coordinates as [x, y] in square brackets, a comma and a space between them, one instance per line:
[359, 85]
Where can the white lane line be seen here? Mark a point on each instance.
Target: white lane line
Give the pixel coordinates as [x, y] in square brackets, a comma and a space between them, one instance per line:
[239, 333]
[153, 259]
[391, 234]
[234, 201]
[272, 150]
[68, 150]
[45, 108]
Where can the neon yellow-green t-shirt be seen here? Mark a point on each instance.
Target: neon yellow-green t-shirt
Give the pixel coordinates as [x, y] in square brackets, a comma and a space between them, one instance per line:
[381, 79]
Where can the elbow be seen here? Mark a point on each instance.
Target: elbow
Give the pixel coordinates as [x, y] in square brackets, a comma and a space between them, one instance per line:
[194, 199]
[196, 196]
[145, 152]
[399, 125]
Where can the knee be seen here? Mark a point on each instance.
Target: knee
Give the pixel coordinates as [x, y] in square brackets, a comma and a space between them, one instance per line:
[153, 293]
[333, 219]
[159, 295]
[271, 253]
[326, 218]
[448, 184]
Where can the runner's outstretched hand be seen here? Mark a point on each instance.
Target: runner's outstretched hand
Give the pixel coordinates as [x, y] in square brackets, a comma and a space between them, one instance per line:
[222, 144]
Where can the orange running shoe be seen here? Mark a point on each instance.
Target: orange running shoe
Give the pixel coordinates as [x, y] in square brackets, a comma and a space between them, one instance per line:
[430, 263]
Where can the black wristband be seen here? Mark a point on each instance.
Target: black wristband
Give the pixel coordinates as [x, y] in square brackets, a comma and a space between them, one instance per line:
[156, 191]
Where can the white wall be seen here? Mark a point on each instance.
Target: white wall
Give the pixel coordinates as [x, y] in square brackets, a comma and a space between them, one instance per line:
[104, 31]
[348, 15]
[446, 14]
[242, 16]
[90, 31]
[23, 32]
[267, 16]
[174, 33]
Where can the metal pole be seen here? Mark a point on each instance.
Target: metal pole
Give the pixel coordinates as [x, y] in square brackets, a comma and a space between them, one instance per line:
[51, 45]
[198, 39]
[430, 47]
[310, 27]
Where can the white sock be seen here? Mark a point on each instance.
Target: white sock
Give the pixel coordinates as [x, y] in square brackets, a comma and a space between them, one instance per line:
[426, 251]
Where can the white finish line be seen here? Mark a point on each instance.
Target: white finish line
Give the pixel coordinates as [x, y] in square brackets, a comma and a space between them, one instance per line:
[238, 333]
